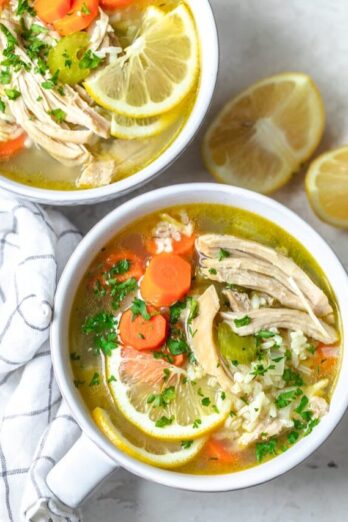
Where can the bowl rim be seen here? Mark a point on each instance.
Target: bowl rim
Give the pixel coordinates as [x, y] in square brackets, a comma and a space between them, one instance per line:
[209, 55]
[85, 252]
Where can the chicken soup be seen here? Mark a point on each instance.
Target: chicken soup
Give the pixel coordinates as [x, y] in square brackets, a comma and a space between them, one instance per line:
[205, 338]
[92, 92]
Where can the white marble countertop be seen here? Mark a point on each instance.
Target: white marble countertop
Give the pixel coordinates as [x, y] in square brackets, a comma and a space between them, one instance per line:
[257, 38]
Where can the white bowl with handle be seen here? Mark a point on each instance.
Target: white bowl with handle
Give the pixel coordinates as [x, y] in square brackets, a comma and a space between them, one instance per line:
[93, 456]
[209, 61]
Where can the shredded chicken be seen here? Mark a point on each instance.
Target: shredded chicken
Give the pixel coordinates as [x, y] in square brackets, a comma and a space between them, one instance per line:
[262, 266]
[266, 318]
[238, 301]
[203, 344]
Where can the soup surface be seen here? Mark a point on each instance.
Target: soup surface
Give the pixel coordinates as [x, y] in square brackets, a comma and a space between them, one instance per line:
[86, 105]
[205, 338]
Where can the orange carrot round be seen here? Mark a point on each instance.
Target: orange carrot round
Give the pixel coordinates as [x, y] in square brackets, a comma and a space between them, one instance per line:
[80, 16]
[7, 148]
[167, 279]
[324, 362]
[110, 5]
[214, 449]
[184, 247]
[50, 11]
[141, 333]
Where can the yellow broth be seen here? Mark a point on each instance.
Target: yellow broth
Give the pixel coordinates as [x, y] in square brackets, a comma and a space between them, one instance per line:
[207, 218]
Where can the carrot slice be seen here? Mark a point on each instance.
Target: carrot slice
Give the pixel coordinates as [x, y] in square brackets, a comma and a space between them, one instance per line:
[141, 333]
[215, 450]
[184, 247]
[167, 279]
[80, 16]
[110, 5]
[7, 148]
[53, 10]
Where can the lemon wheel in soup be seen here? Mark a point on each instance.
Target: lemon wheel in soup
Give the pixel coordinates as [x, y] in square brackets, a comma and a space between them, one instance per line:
[263, 135]
[157, 70]
[161, 399]
[162, 454]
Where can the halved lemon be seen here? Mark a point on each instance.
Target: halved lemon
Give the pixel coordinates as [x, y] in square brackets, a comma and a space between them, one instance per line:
[156, 71]
[158, 453]
[261, 137]
[127, 128]
[327, 186]
[161, 400]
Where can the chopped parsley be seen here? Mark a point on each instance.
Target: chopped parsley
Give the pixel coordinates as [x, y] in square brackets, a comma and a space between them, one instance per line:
[222, 254]
[243, 321]
[175, 311]
[292, 378]
[84, 9]
[303, 403]
[177, 345]
[186, 444]
[52, 82]
[12, 94]
[24, 7]
[284, 399]
[196, 423]
[223, 395]
[264, 334]
[206, 401]
[95, 381]
[212, 271]
[58, 114]
[260, 369]
[193, 309]
[166, 374]
[67, 60]
[164, 421]
[2, 106]
[5, 77]
[293, 436]
[90, 60]
[102, 325]
[112, 378]
[120, 290]
[162, 399]
[138, 307]
[265, 448]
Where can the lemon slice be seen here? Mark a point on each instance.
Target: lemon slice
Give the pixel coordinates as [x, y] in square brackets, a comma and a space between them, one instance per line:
[162, 454]
[127, 128]
[261, 137]
[161, 400]
[156, 71]
[327, 186]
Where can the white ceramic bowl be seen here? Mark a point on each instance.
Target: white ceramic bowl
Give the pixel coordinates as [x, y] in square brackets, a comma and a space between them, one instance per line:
[94, 450]
[208, 39]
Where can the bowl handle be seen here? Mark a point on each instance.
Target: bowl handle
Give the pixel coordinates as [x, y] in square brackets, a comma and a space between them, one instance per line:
[79, 472]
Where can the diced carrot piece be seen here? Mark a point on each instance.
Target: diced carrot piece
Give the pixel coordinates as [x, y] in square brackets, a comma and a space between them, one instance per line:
[80, 16]
[323, 361]
[136, 265]
[52, 10]
[167, 279]
[141, 333]
[214, 449]
[7, 148]
[184, 247]
[110, 5]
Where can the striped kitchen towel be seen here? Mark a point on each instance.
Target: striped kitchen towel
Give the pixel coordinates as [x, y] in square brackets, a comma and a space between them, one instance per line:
[36, 428]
